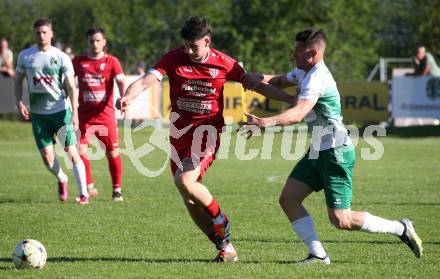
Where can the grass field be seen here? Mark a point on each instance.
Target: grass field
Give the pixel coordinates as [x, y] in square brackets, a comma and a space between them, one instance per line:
[150, 235]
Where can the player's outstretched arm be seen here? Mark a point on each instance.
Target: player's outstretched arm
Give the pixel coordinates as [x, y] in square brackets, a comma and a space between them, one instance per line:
[291, 116]
[142, 84]
[272, 92]
[19, 96]
[250, 80]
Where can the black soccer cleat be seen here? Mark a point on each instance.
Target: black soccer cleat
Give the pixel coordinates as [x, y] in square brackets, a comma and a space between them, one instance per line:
[117, 196]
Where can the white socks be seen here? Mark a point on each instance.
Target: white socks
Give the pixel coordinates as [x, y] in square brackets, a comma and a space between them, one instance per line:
[374, 224]
[56, 170]
[79, 171]
[305, 230]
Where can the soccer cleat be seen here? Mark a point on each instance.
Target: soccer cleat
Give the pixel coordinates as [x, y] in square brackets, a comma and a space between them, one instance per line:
[410, 238]
[84, 200]
[227, 254]
[117, 195]
[312, 259]
[93, 192]
[222, 232]
[63, 192]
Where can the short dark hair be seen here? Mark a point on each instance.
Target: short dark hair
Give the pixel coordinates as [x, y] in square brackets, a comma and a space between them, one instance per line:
[92, 31]
[416, 49]
[43, 22]
[310, 36]
[195, 28]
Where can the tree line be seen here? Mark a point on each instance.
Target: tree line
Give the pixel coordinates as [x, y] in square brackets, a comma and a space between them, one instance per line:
[258, 33]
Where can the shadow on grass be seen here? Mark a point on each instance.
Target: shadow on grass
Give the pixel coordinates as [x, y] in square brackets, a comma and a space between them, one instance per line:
[398, 203]
[28, 200]
[330, 241]
[149, 261]
[137, 260]
[414, 132]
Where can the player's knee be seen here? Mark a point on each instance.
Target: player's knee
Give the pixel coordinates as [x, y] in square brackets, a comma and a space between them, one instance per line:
[112, 153]
[341, 222]
[48, 159]
[73, 153]
[283, 200]
[286, 200]
[82, 151]
[184, 182]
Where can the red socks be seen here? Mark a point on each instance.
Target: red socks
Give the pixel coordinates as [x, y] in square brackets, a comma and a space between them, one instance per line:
[115, 167]
[213, 209]
[86, 162]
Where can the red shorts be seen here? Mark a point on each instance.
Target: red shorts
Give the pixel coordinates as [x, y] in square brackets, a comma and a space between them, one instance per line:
[201, 148]
[105, 131]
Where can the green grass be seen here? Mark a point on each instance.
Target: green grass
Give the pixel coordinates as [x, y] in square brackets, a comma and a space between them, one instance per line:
[151, 235]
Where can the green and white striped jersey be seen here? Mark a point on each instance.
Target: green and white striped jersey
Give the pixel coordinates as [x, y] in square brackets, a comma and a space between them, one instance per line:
[325, 119]
[45, 72]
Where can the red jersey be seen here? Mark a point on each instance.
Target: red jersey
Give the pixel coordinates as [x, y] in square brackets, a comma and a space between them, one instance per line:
[196, 89]
[95, 78]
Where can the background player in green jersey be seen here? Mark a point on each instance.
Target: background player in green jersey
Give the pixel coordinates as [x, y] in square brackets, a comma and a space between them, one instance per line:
[329, 162]
[48, 72]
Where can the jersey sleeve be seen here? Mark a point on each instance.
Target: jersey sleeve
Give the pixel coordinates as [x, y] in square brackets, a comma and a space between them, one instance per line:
[236, 72]
[116, 68]
[75, 64]
[20, 64]
[294, 75]
[162, 67]
[312, 88]
[430, 59]
[67, 66]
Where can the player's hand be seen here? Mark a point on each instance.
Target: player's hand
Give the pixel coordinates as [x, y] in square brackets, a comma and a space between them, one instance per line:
[22, 109]
[252, 125]
[75, 121]
[251, 80]
[122, 104]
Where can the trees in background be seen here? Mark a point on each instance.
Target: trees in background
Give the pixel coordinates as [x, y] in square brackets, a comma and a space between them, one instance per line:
[258, 33]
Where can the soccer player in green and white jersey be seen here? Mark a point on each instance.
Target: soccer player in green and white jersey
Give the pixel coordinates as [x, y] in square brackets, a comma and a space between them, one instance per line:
[47, 70]
[330, 160]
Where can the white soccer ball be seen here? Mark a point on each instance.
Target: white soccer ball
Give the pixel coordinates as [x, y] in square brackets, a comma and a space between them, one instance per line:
[29, 253]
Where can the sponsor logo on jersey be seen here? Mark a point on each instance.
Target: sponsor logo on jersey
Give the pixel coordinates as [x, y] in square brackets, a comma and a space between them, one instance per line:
[53, 61]
[44, 79]
[213, 72]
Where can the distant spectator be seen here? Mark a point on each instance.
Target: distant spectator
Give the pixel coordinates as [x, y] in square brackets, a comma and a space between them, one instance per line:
[69, 52]
[6, 59]
[424, 63]
[140, 68]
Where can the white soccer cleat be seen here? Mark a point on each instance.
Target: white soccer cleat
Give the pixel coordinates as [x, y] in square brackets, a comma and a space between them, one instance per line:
[227, 254]
[410, 238]
[312, 259]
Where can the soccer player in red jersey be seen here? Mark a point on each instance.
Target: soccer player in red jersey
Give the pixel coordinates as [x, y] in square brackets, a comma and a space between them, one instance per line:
[196, 73]
[97, 71]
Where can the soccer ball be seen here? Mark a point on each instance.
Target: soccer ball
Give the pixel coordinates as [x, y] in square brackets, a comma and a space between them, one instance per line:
[29, 253]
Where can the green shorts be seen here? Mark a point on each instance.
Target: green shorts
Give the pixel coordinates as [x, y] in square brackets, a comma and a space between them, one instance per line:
[331, 171]
[46, 126]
